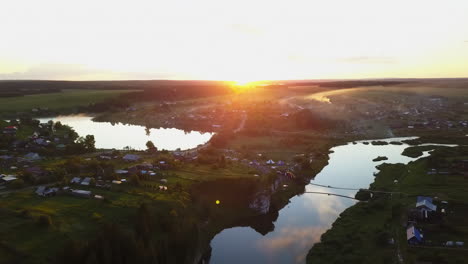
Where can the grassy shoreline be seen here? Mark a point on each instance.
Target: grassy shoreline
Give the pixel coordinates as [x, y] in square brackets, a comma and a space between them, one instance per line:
[362, 232]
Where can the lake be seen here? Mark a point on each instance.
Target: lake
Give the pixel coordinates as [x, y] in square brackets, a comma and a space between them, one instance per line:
[119, 136]
[301, 223]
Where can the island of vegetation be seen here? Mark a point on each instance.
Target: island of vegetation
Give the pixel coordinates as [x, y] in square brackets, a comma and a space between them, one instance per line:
[380, 158]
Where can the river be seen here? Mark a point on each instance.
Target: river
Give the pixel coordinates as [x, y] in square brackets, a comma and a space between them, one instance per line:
[301, 223]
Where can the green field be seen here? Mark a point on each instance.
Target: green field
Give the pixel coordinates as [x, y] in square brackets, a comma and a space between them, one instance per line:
[55, 101]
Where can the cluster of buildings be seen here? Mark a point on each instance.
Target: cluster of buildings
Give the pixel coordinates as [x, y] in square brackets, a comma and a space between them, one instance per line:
[426, 211]
[45, 191]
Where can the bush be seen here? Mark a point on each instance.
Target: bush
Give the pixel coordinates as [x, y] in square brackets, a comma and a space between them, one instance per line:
[44, 221]
[25, 214]
[363, 195]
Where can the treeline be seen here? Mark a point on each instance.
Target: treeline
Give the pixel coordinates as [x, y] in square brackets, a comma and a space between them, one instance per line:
[346, 84]
[167, 93]
[103, 85]
[180, 92]
[12, 92]
[156, 237]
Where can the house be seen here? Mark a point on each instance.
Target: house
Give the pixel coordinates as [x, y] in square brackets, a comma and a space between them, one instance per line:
[42, 142]
[86, 181]
[6, 157]
[413, 235]
[131, 157]
[8, 178]
[60, 146]
[76, 180]
[46, 192]
[31, 156]
[104, 157]
[425, 204]
[121, 171]
[270, 162]
[145, 165]
[10, 130]
[81, 193]
[40, 190]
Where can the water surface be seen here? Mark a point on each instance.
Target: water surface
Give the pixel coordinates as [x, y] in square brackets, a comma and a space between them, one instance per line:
[301, 223]
[119, 136]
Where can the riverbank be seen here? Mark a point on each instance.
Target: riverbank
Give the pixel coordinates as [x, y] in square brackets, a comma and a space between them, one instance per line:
[183, 219]
[375, 231]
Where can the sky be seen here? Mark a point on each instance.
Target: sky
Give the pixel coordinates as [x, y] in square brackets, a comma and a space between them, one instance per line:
[239, 40]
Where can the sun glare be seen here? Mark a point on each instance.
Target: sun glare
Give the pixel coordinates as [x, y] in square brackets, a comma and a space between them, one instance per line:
[242, 83]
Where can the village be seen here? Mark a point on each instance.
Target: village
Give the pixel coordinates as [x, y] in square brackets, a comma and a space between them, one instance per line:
[427, 213]
[35, 161]
[265, 148]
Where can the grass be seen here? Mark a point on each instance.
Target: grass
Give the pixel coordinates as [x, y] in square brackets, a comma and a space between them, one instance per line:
[72, 217]
[56, 101]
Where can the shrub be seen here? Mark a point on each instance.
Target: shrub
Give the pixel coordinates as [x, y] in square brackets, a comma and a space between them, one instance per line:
[362, 195]
[96, 216]
[44, 221]
[25, 214]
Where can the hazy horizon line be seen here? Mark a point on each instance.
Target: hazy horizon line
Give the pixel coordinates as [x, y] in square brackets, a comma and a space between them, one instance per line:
[211, 80]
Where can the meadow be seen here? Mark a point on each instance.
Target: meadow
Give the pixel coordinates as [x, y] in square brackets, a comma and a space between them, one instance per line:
[67, 99]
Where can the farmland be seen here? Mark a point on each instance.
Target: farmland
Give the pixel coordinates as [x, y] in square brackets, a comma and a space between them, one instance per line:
[65, 100]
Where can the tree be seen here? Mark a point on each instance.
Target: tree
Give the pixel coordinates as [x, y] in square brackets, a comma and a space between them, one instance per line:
[58, 125]
[144, 223]
[150, 146]
[362, 195]
[89, 143]
[72, 135]
[72, 165]
[135, 180]
[221, 139]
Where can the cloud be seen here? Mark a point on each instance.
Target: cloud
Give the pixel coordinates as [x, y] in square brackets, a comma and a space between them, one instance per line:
[246, 29]
[76, 72]
[369, 60]
[297, 239]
